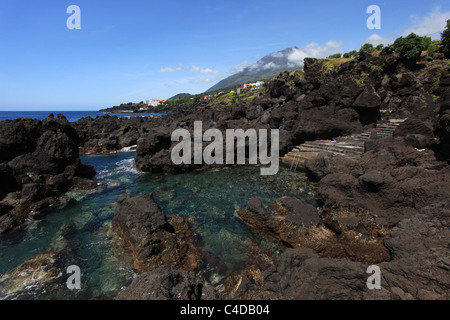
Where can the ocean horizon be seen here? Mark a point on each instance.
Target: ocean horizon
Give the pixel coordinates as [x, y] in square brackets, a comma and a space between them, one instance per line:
[71, 116]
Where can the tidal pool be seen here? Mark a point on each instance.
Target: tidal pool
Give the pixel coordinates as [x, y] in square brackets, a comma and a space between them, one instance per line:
[79, 230]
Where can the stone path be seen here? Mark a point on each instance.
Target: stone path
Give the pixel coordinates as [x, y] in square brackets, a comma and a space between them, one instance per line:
[347, 146]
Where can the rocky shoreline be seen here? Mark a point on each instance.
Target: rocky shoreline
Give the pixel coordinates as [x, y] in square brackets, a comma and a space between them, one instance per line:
[388, 207]
[39, 162]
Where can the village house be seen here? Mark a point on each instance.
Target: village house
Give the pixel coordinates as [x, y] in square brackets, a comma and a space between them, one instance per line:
[250, 87]
[154, 102]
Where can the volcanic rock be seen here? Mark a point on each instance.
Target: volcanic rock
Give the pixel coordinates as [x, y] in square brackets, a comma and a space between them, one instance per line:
[296, 224]
[166, 283]
[39, 160]
[153, 238]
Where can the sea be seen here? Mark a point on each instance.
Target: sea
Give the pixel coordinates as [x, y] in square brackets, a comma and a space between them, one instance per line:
[71, 116]
[79, 229]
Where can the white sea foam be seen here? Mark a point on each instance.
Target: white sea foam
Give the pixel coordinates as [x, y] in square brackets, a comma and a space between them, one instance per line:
[120, 167]
[128, 149]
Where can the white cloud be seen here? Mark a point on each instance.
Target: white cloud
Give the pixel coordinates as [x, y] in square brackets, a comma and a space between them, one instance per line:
[193, 69]
[239, 68]
[376, 39]
[277, 54]
[164, 70]
[196, 69]
[294, 58]
[186, 81]
[255, 65]
[430, 25]
[297, 58]
[313, 50]
[198, 80]
[270, 65]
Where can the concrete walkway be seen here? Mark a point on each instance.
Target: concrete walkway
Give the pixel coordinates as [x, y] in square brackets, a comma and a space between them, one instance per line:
[347, 146]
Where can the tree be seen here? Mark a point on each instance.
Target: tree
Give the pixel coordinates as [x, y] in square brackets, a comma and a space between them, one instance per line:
[411, 47]
[379, 47]
[351, 54]
[367, 47]
[445, 41]
[335, 56]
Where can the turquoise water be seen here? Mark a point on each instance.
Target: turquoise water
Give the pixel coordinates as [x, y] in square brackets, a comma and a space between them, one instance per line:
[80, 229]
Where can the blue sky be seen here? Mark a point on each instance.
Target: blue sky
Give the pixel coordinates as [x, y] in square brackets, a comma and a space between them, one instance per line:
[129, 51]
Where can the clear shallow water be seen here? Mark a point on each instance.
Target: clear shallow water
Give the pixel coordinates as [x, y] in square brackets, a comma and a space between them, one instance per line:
[80, 229]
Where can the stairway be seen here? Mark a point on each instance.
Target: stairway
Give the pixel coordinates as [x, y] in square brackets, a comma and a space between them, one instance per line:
[348, 146]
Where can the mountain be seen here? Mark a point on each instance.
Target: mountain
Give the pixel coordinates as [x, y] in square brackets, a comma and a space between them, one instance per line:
[180, 96]
[264, 69]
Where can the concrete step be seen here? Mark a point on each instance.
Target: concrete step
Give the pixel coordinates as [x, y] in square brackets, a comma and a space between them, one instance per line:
[386, 128]
[384, 134]
[350, 146]
[340, 145]
[344, 150]
[388, 125]
[292, 156]
[314, 151]
[294, 162]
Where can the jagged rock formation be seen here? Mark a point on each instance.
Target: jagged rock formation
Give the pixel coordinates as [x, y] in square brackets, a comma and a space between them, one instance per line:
[384, 201]
[296, 224]
[39, 161]
[352, 146]
[108, 134]
[330, 98]
[165, 283]
[418, 269]
[153, 238]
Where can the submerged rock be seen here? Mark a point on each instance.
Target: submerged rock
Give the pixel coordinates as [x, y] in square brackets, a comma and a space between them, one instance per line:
[42, 272]
[287, 220]
[154, 238]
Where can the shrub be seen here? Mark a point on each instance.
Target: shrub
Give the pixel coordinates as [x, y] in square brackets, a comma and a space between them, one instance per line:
[351, 54]
[367, 47]
[434, 46]
[411, 47]
[335, 56]
[445, 41]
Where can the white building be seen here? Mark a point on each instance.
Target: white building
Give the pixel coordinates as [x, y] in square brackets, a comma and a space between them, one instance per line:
[250, 86]
[154, 102]
[255, 85]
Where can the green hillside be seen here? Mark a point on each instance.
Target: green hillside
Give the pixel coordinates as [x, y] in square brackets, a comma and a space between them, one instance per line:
[180, 96]
[240, 78]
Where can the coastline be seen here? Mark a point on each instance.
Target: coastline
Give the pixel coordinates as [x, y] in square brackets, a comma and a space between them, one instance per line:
[397, 189]
[72, 116]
